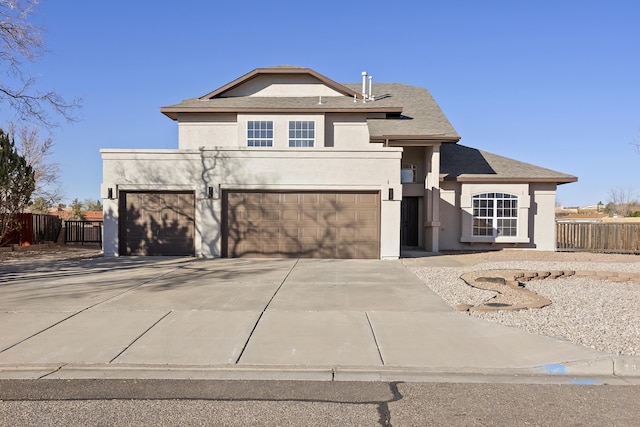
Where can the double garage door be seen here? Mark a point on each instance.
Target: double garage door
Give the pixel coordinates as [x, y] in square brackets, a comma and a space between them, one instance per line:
[256, 224]
[301, 224]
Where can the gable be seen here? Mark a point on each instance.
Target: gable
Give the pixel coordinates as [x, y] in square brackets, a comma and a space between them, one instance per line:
[282, 85]
[282, 81]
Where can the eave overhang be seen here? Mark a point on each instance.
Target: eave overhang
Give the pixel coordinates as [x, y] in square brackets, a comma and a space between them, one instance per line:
[172, 112]
[402, 140]
[505, 179]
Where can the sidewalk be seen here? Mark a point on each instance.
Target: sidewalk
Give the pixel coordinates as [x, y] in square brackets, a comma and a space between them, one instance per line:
[260, 319]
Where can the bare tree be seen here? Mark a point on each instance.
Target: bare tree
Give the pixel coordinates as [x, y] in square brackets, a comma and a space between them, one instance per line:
[37, 152]
[622, 201]
[22, 44]
[93, 204]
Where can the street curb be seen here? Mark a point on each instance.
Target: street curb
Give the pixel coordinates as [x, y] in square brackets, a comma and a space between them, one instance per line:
[622, 367]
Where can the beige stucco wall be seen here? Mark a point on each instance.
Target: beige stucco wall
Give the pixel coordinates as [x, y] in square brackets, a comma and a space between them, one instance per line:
[207, 130]
[289, 85]
[416, 156]
[536, 221]
[347, 131]
[230, 130]
[543, 225]
[242, 168]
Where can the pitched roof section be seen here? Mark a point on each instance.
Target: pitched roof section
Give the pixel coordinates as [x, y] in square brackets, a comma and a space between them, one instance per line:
[410, 112]
[465, 164]
[282, 69]
[421, 116]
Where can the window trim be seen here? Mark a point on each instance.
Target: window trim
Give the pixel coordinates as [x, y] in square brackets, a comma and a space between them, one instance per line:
[468, 189]
[305, 142]
[413, 169]
[265, 141]
[495, 209]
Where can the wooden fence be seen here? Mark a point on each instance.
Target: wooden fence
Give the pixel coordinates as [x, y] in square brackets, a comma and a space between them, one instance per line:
[33, 229]
[598, 237]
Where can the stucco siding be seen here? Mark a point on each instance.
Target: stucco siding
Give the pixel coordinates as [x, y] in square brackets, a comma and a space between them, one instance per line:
[347, 131]
[199, 170]
[207, 130]
[543, 220]
[450, 216]
[282, 86]
[456, 216]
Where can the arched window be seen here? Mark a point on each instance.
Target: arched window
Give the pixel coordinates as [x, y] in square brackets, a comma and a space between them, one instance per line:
[495, 214]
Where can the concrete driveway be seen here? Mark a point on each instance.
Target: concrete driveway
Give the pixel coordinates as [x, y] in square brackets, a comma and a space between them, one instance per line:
[254, 318]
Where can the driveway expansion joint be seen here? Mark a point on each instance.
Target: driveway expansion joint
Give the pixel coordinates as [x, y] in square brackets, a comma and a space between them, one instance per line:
[140, 336]
[244, 347]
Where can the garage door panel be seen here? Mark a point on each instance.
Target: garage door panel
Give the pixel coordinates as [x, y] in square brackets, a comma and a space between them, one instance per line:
[367, 251]
[365, 234]
[290, 198]
[370, 199]
[367, 216]
[310, 199]
[157, 223]
[290, 215]
[303, 224]
[271, 198]
[347, 216]
[271, 214]
[348, 198]
[269, 232]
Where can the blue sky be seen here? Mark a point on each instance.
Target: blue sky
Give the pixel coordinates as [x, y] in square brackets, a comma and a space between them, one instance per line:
[553, 83]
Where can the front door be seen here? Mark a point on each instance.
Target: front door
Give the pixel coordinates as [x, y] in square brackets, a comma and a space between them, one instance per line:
[409, 218]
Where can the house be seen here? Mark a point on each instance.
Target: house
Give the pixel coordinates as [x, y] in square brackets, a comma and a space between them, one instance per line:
[285, 162]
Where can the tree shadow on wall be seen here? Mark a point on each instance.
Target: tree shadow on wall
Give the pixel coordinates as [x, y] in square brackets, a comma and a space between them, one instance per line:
[257, 228]
[157, 224]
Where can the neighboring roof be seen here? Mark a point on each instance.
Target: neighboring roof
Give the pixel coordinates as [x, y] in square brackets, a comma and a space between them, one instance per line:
[465, 164]
[412, 113]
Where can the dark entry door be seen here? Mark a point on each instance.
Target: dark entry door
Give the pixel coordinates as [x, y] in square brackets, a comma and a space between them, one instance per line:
[409, 218]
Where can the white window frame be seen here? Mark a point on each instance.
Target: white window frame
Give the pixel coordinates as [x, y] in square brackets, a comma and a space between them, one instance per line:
[495, 214]
[405, 169]
[260, 133]
[303, 133]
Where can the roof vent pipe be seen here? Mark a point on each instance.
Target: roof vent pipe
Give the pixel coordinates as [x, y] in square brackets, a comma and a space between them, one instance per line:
[364, 85]
[370, 84]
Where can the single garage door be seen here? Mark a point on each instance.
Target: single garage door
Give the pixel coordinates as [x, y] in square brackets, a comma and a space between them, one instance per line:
[301, 224]
[157, 223]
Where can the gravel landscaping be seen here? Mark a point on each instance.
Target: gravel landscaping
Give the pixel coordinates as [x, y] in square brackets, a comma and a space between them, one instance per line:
[599, 314]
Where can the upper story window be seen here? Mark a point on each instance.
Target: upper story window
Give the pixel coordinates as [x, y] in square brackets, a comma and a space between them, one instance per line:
[302, 133]
[259, 133]
[408, 173]
[495, 214]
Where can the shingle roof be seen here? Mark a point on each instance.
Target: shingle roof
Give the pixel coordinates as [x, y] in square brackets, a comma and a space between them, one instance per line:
[461, 163]
[411, 111]
[421, 114]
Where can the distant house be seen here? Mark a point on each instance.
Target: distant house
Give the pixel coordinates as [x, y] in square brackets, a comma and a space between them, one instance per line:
[67, 214]
[285, 162]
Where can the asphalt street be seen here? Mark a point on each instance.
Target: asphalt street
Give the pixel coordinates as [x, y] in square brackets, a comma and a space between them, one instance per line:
[293, 403]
